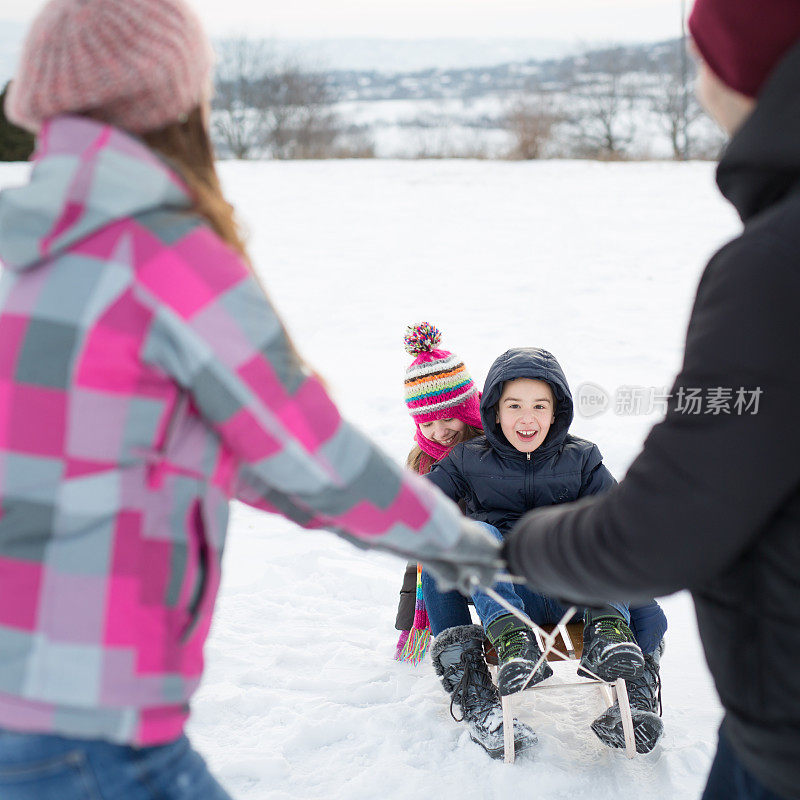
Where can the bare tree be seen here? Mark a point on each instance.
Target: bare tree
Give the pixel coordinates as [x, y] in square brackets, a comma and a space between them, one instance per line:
[239, 122]
[302, 122]
[677, 109]
[674, 102]
[603, 101]
[268, 106]
[531, 120]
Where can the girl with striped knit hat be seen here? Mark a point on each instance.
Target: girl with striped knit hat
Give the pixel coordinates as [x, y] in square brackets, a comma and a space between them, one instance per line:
[444, 403]
[441, 396]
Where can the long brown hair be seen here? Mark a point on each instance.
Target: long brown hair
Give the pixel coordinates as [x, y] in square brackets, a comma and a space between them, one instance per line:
[187, 146]
[419, 461]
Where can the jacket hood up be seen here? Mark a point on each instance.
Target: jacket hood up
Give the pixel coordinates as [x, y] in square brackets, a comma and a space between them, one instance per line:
[86, 176]
[536, 364]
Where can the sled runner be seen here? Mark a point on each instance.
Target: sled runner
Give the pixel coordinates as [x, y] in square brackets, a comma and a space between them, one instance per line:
[571, 640]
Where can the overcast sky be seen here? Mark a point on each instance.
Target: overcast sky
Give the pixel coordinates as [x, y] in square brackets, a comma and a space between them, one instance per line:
[570, 20]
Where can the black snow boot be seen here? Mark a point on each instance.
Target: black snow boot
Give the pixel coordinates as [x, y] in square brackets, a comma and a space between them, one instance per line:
[517, 654]
[457, 655]
[644, 695]
[609, 648]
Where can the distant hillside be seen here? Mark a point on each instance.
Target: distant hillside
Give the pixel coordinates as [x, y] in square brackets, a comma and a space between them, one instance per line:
[627, 101]
[552, 72]
[382, 55]
[412, 55]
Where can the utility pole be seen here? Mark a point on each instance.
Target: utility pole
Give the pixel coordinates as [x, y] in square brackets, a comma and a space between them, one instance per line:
[684, 81]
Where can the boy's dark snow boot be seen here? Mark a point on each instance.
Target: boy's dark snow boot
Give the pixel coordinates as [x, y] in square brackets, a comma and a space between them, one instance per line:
[609, 648]
[457, 655]
[517, 654]
[644, 694]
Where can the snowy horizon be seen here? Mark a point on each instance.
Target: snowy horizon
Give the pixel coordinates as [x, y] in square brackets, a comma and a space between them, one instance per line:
[597, 263]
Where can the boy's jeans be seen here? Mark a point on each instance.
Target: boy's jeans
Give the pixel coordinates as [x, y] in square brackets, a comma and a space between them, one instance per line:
[448, 609]
[541, 609]
[43, 767]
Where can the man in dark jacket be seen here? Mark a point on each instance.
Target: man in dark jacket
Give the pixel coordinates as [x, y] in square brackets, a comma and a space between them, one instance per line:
[713, 501]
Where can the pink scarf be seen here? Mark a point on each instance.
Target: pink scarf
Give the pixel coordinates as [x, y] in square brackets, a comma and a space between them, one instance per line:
[468, 413]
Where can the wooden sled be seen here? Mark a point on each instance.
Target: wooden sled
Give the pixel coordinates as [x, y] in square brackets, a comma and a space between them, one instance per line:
[570, 648]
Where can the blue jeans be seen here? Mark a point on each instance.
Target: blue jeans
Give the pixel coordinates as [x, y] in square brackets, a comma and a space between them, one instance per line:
[44, 767]
[445, 609]
[541, 609]
[448, 609]
[648, 624]
[729, 780]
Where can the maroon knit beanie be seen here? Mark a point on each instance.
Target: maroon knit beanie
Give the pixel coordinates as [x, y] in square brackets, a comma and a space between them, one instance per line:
[742, 41]
[137, 64]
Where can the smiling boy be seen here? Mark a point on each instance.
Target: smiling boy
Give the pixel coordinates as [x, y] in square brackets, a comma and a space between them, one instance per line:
[526, 412]
[527, 459]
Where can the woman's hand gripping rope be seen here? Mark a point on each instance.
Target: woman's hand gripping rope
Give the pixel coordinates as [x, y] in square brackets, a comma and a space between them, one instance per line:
[472, 562]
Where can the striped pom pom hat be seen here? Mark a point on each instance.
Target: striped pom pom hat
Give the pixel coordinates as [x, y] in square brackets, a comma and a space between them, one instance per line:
[437, 384]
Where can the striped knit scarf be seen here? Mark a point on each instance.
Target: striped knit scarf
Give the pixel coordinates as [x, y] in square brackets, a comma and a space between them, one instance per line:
[412, 645]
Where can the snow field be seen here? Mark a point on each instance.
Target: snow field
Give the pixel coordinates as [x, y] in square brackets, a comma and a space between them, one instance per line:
[596, 262]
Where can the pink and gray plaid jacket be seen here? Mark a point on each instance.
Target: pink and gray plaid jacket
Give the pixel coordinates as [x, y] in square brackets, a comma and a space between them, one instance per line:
[144, 381]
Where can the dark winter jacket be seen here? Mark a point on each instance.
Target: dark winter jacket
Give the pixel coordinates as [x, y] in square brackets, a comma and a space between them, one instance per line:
[713, 501]
[499, 483]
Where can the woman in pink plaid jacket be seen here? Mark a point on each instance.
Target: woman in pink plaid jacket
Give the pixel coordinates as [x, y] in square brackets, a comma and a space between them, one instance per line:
[145, 380]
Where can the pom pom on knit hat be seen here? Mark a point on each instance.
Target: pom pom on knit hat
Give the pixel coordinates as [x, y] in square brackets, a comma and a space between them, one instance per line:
[743, 41]
[421, 338]
[136, 64]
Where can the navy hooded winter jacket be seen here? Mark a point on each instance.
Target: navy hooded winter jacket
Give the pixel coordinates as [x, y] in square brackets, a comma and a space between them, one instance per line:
[499, 483]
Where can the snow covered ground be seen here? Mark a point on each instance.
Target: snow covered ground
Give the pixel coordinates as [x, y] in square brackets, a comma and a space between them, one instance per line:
[596, 262]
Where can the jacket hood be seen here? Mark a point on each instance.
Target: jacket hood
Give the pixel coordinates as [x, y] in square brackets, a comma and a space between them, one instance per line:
[526, 362]
[86, 175]
[761, 163]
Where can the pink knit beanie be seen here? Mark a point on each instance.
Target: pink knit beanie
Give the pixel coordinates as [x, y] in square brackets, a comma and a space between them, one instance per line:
[136, 64]
[437, 386]
[743, 40]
